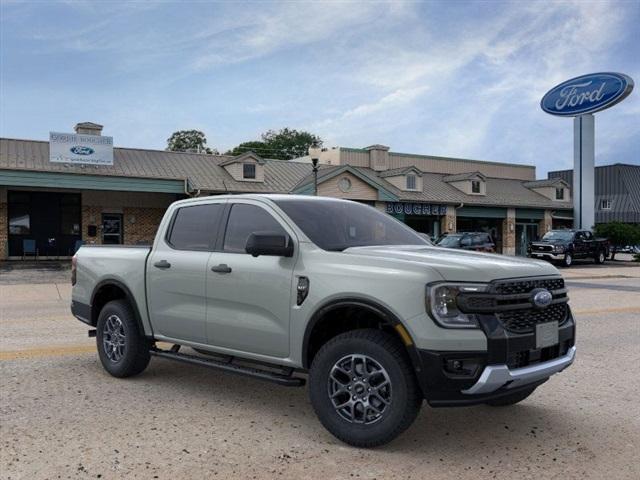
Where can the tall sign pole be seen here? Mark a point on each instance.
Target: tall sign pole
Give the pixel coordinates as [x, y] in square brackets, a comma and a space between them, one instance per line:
[580, 97]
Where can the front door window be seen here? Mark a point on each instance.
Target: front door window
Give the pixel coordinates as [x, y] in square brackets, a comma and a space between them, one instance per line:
[112, 228]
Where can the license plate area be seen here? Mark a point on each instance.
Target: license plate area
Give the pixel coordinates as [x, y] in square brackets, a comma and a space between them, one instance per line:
[547, 334]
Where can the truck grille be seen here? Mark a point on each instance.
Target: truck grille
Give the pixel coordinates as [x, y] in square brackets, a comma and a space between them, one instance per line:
[524, 321]
[512, 304]
[542, 248]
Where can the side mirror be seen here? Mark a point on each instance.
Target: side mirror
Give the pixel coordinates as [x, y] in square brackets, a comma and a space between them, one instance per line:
[269, 243]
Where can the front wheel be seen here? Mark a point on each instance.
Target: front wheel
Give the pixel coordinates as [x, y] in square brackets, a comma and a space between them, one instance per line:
[567, 260]
[600, 257]
[122, 349]
[363, 388]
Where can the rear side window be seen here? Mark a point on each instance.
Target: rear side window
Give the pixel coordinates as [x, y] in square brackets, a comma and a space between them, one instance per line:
[479, 239]
[244, 220]
[196, 228]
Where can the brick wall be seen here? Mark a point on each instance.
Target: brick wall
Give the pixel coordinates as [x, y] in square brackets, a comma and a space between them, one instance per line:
[141, 224]
[4, 221]
[509, 233]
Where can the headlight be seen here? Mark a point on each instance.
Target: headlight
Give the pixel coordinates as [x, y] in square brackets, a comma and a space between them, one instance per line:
[442, 304]
[560, 248]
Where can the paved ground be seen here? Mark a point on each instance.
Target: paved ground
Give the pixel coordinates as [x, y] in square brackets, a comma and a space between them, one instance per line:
[62, 416]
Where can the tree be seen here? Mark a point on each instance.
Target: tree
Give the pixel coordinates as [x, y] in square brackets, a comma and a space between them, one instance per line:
[257, 147]
[188, 141]
[619, 234]
[284, 144]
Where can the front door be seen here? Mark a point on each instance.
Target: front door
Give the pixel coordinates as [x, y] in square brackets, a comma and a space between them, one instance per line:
[525, 233]
[249, 298]
[112, 228]
[177, 273]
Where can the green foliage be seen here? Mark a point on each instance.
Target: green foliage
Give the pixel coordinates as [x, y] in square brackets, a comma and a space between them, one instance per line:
[619, 234]
[284, 144]
[188, 141]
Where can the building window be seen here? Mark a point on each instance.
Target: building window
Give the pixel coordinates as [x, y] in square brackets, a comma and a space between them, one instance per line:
[411, 182]
[344, 185]
[475, 186]
[249, 171]
[559, 193]
[605, 204]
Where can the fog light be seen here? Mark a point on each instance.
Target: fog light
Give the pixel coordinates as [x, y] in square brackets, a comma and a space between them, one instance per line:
[462, 367]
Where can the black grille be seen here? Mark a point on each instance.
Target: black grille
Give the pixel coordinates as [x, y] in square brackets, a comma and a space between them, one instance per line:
[524, 321]
[525, 286]
[542, 248]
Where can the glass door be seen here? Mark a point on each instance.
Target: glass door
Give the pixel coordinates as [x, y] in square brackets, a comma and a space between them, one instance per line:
[525, 233]
[112, 228]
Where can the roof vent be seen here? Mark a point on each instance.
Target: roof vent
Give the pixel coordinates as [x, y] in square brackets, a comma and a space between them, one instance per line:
[88, 128]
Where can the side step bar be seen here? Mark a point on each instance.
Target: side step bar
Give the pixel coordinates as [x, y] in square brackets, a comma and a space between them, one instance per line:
[227, 366]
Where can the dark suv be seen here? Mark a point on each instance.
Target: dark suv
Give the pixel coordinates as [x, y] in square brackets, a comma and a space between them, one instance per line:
[477, 241]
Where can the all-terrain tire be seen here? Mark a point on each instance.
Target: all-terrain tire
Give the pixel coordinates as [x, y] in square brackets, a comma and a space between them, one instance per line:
[511, 399]
[386, 357]
[122, 348]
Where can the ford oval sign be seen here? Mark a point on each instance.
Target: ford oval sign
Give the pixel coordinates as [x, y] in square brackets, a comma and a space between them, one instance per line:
[79, 150]
[587, 94]
[542, 298]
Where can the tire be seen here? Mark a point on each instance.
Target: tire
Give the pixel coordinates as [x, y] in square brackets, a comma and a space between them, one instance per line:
[567, 261]
[600, 257]
[117, 322]
[511, 399]
[393, 379]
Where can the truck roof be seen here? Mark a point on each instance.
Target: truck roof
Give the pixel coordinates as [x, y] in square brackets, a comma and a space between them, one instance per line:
[262, 196]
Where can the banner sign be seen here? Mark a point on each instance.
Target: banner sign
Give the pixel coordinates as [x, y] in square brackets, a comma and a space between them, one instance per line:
[80, 149]
[409, 208]
[587, 94]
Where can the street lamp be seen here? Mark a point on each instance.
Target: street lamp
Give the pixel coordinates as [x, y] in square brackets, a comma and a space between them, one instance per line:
[314, 153]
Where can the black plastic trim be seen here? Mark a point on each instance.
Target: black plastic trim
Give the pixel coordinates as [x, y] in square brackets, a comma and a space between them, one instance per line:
[81, 311]
[128, 295]
[374, 307]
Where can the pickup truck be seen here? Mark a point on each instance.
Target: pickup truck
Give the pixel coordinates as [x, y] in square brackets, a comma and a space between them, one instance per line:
[292, 289]
[565, 246]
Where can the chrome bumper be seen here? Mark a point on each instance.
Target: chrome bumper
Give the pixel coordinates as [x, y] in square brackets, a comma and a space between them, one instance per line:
[496, 376]
[551, 255]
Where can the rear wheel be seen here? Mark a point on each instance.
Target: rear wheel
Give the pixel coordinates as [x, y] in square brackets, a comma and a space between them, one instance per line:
[363, 388]
[122, 349]
[511, 399]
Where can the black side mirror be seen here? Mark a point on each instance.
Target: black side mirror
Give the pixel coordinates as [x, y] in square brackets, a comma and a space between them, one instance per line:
[269, 243]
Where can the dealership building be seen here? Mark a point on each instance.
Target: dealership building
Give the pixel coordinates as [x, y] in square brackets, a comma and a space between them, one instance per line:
[77, 188]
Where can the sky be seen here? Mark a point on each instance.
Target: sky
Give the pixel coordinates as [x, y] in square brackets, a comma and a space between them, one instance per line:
[451, 78]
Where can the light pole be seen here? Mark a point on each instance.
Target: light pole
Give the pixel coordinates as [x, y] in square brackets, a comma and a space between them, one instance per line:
[314, 153]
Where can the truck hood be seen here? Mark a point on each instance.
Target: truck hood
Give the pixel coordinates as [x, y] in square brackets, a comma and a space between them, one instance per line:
[460, 265]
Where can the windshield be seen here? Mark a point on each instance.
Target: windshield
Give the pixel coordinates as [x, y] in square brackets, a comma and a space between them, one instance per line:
[450, 241]
[336, 225]
[558, 235]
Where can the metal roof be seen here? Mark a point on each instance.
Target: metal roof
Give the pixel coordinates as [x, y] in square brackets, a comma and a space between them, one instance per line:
[463, 176]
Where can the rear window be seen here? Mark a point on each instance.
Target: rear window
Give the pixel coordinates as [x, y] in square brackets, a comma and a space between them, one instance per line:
[196, 228]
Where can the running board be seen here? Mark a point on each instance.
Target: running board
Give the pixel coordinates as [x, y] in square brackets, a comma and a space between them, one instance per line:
[281, 379]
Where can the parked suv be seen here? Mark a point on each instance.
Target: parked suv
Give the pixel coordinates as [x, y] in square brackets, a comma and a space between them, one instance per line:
[477, 241]
[291, 288]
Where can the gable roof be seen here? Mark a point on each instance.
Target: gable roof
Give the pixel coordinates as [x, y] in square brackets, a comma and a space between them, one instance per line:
[547, 182]
[394, 172]
[248, 155]
[463, 176]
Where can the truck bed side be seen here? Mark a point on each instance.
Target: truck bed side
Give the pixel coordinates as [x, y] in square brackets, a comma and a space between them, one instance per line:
[115, 266]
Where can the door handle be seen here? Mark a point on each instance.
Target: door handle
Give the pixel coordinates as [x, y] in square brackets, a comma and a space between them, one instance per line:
[162, 264]
[222, 268]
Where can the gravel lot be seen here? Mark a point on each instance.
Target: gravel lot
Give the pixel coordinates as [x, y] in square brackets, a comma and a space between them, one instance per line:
[62, 416]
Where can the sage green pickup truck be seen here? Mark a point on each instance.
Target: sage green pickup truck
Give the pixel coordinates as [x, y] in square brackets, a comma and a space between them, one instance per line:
[292, 289]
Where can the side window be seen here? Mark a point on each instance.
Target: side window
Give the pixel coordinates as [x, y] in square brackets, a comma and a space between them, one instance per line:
[244, 220]
[579, 236]
[196, 228]
[479, 239]
[588, 236]
[465, 241]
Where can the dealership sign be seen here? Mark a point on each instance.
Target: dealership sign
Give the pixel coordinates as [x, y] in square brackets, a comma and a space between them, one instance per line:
[409, 208]
[587, 94]
[75, 148]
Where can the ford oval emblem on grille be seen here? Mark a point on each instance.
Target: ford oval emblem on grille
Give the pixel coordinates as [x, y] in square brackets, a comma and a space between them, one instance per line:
[542, 298]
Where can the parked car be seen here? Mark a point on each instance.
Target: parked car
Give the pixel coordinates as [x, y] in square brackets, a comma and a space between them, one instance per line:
[291, 288]
[477, 241]
[565, 246]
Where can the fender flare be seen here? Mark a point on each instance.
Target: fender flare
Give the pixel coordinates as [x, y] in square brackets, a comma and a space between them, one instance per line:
[128, 296]
[374, 307]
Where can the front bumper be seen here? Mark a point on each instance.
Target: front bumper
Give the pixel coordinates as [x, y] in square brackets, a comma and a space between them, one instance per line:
[511, 363]
[547, 256]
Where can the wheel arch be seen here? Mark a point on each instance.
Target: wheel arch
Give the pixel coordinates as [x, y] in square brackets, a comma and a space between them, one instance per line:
[109, 290]
[377, 315]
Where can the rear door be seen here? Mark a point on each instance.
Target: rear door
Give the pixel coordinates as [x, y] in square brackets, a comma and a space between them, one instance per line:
[177, 272]
[249, 298]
